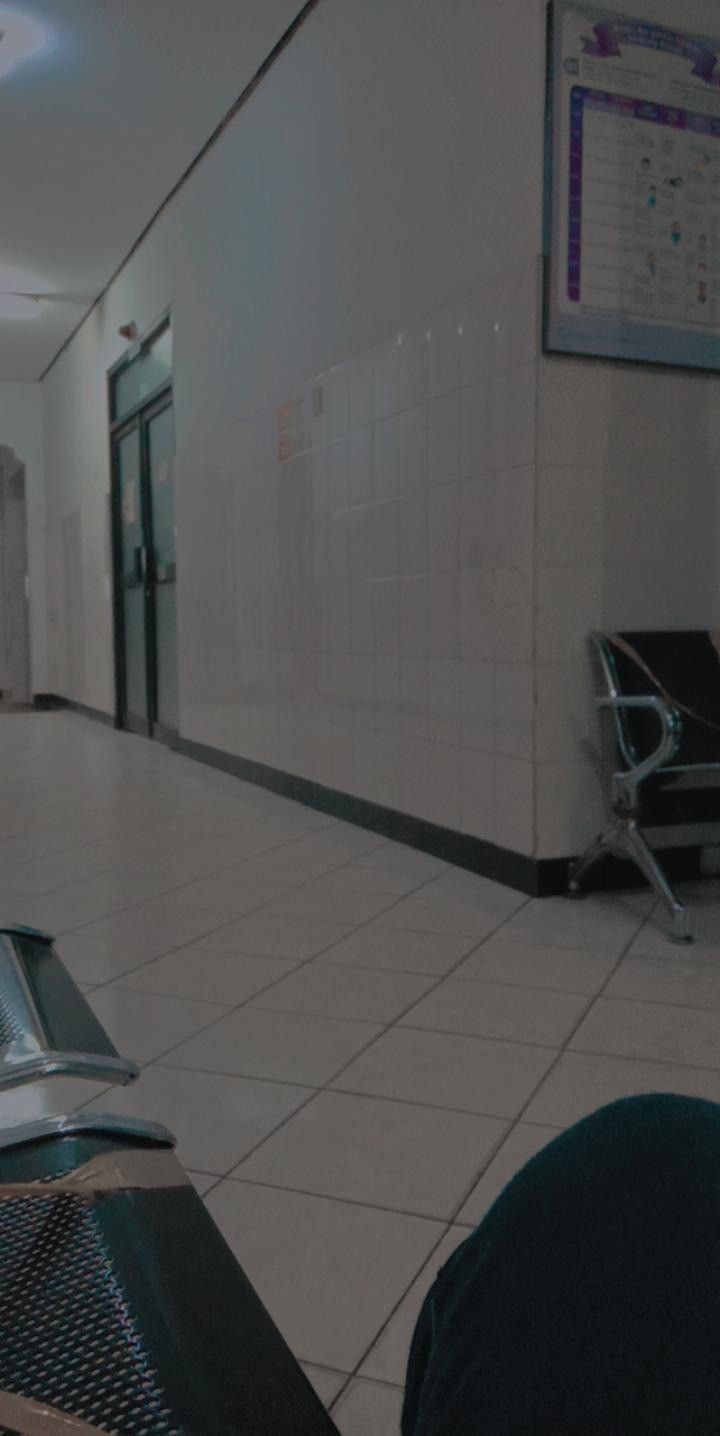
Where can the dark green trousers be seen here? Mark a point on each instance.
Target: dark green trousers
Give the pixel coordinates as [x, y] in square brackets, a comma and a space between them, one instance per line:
[588, 1301]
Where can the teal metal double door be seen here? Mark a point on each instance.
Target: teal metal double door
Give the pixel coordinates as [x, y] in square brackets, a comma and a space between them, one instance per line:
[145, 571]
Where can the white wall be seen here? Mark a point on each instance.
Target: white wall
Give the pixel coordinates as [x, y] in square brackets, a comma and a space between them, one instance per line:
[21, 427]
[362, 613]
[399, 609]
[628, 532]
[628, 537]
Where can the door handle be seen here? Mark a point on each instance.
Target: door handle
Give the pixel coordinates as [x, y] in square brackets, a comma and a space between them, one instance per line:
[140, 564]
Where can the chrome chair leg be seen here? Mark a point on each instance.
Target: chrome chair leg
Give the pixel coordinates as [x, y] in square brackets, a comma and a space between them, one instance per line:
[582, 865]
[625, 840]
[635, 847]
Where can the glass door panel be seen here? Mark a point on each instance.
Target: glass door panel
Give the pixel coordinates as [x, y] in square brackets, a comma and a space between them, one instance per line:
[132, 577]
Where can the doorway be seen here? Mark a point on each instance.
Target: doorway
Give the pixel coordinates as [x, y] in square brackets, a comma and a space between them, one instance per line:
[14, 587]
[143, 506]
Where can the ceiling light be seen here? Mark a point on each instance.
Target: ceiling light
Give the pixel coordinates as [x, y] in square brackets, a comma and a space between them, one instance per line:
[20, 39]
[19, 306]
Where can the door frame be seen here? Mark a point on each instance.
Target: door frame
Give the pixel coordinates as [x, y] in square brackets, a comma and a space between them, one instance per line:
[136, 418]
[133, 352]
[13, 468]
[150, 411]
[122, 718]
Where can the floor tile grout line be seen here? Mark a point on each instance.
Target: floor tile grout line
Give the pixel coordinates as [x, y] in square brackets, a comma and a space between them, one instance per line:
[535, 1043]
[355, 1373]
[524, 987]
[451, 1222]
[242, 785]
[673, 1063]
[232, 1008]
[293, 963]
[491, 1157]
[82, 930]
[441, 1237]
[188, 882]
[313, 1091]
[366, 1380]
[239, 1180]
[112, 867]
[345, 1092]
[337, 1401]
[325, 1087]
[446, 1107]
[250, 1002]
[158, 1060]
[561, 1053]
[257, 853]
[212, 1187]
[655, 1002]
[168, 1066]
[173, 890]
[334, 1406]
[392, 971]
[331, 1370]
[308, 883]
[350, 861]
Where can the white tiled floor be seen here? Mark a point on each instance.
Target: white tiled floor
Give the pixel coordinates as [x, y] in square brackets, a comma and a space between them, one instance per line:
[356, 1045]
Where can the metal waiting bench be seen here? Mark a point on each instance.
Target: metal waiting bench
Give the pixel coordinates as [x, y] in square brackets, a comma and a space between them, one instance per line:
[121, 1306]
[662, 691]
[122, 1309]
[47, 1028]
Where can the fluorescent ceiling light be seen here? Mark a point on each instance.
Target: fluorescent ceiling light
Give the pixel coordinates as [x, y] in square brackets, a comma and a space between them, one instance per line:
[20, 39]
[19, 306]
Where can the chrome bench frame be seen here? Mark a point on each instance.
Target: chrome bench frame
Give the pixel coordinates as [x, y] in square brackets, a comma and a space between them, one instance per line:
[33, 1053]
[623, 837]
[102, 1123]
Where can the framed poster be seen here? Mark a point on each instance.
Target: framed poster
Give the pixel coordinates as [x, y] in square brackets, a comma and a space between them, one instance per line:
[632, 223]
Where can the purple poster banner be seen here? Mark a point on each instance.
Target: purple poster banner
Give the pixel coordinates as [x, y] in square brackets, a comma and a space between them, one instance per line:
[644, 110]
[609, 36]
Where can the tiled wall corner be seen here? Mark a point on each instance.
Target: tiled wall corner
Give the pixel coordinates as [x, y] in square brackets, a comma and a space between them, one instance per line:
[627, 536]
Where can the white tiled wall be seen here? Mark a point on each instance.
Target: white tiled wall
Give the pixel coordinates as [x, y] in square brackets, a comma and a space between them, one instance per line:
[381, 630]
[398, 609]
[356, 612]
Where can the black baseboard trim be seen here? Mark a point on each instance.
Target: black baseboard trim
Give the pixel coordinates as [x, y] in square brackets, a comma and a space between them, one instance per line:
[543, 877]
[48, 702]
[52, 702]
[475, 854]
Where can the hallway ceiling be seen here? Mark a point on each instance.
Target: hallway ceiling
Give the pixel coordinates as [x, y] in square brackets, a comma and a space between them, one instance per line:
[99, 128]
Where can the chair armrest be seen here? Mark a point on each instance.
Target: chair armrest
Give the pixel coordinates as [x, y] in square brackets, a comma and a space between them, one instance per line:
[625, 784]
[47, 1028]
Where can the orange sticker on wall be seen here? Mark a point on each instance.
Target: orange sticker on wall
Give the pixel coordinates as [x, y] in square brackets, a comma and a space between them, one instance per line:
[290, 430]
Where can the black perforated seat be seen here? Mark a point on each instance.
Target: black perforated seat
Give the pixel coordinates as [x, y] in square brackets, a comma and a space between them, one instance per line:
[130, 1312]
